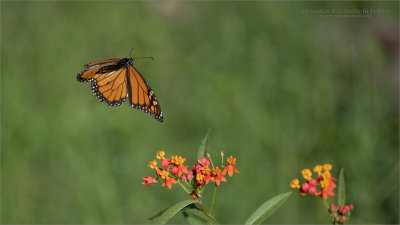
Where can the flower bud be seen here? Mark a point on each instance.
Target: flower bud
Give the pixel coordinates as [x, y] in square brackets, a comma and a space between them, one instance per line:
[305, 187]
[332, 207]
[313, 182]
[203, 161]
[197, 168]
[312, 190]
[165, 163]
[174, 170]
[194, 195]
[183, 178]
[147, 180]
[190, 175]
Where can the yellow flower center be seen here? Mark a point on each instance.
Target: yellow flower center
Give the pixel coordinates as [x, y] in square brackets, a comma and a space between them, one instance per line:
[177, 160]
[164, 174]
[318, 169]
[152, 164]
[295, 183]
[199, 177]
[326, 175]
[205, 170]
[216, 171]
[306, 173]
[231, 160]
[160, 154]
[327, 166]
[324, 184]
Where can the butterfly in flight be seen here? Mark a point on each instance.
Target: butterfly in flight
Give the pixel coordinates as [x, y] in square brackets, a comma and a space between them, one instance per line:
[114, 80]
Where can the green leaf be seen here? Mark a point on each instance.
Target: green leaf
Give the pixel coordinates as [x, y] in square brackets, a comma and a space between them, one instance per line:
[341, 189]
[167, 214]
[203, 145]
[267, 208]
[193, 218]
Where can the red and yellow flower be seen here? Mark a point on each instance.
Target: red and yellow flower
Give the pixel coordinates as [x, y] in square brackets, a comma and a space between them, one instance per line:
[173, 171]
[325, 181]
[178, 166]
[217, 176]
[230, 167]
[167, 179]
[147, 180]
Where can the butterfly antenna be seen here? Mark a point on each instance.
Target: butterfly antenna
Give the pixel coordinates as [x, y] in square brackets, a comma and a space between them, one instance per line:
[146, 57]
[130, 55]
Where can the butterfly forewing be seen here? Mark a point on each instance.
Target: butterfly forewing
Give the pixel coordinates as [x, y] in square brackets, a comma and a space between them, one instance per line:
[92, 69]
[141, 95]
[101, 63]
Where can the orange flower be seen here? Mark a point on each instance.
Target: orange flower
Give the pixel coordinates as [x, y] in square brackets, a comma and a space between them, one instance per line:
[295, 183]
[327, 166]
[167, 180]
[178, 170]
[206, 171]
[152, 164]
[327, 186]
[158, 172]
[318, 169]
[160, 154]
[217, 176]
[148, 180]
[230, 167]
[177, 160]
[199, 178]
[164, 174]
[306, 173]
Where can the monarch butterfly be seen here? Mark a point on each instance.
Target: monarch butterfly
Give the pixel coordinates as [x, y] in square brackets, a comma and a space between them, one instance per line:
[114, 80]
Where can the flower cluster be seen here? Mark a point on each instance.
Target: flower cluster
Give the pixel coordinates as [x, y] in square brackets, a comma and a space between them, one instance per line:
[340, 214]
[173, 171]
[324, 182]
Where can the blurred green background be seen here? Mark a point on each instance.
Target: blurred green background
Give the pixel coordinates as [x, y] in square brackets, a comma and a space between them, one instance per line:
[281, 89]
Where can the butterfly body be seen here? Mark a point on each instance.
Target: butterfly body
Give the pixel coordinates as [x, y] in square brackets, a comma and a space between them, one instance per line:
[114, 80]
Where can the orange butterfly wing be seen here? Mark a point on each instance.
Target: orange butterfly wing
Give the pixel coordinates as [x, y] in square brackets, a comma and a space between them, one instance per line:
[92, 68]
[111, 87]
[141, 96]
[114, 79]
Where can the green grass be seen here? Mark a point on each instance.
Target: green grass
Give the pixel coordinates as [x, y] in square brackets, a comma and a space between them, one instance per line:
[281, 91]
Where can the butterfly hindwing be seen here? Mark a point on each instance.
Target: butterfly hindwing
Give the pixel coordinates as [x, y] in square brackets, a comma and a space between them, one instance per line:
[110, 87]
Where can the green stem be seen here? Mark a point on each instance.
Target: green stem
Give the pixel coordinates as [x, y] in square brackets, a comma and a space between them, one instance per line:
[209, 157]
[326, 204]
[213, 199]
[183, 187]
[205, 211]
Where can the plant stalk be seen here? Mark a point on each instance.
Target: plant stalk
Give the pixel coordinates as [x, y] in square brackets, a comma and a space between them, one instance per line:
[183, 187]
[326, 204]
[213, 198]
[205, 211]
